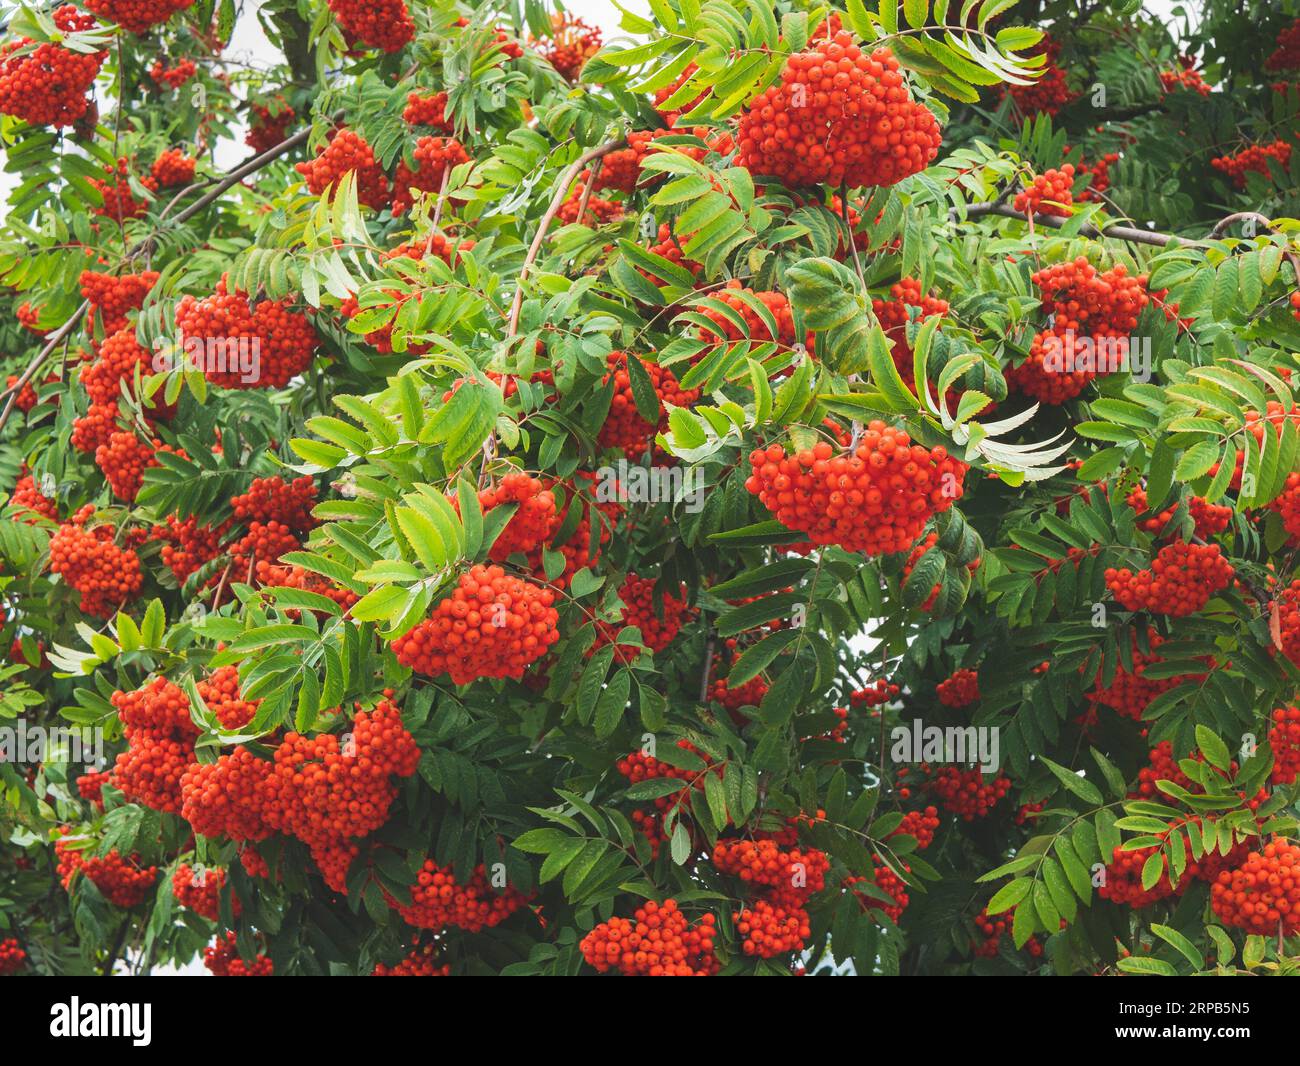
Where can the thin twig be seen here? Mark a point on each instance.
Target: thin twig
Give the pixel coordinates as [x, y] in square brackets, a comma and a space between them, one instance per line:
[562, 190]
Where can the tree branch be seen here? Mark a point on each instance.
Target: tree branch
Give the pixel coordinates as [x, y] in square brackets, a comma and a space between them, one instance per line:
[566, 179]
[1123, 233]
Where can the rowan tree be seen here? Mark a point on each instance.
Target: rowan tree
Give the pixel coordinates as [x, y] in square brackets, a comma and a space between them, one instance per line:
[556, 506]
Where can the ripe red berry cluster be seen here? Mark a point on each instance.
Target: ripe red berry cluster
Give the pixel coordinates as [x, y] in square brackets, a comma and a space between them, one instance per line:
[1180, 581]
[422, 962]
[1050, 193]
[137, 16]
[1083, 303]
[123, 882]
[907, 303]
[428, 110]
[1210, 519]
[596, 212]
[273, 500]
[46, 84]
[915, 555]
[919, 824]
[570, 44]
[875, 500]
[124, 458]
[776, 922]
[200, 891]
[1098, 174]
[112, 296]
[12, 957]
[838, 116]
[534, 521]
[1286, 56]
[90, 786]
[438, 901]
[120, 203]
[756, 328]
[657, 942]
[105, 575]
[1253, 159]
[624, 428]
[283, 341]
[492, 625]
[348, 152]
[1131, 692]
[434, 157]
[222, 958]
[269, 125]
[960, 690]
[992, 928]
[1049, 92]
[1263, 894]
[662, 96]
[968, 793]
[26, 497]
[172, 77]
[160, 744]
[1187, 79]
[222, 696]
[382, 24]
[173, 168]
[875, 694]
[659, 615]
[583, 547]
[1284, 739]
[324, 793]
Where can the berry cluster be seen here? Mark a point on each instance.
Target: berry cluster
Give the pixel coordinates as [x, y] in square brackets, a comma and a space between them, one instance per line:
[382, 24]
[1130, 691]
[659, 616]
[894, 315]
[1050, 92]
[112, 296]
[422, 962]
[1263, 894]
[992, 928]
[535, 518]
[281, 341]
[86, 558]
[173, 169]
[172, 77]
[124, 458]
[1286, 56]
[838, 116]
[875, 500]
[12, 957]
[222, 696]
[123, 882]
[120, 204]
[657, 942]
[274, 500]
[223, 959]
[960, 690]
[137, 16]
[200, 891]
[757, 331]
[427, 111]
[875, 694]
[1209, 518]
[438, 901]
[160, 740]
[966, 792]
[624, 428]
[919, 824]
[1180, 581]
[1050, 193]
[1284, 739]
[434, 158]
[46, 84]
[348, 152]
[269, 126]
[492, 625]
[1101, 307]
[570, 44]
[321, 792]
[1187, 79]
[776, 922]
[26, 497]
[1253, 159]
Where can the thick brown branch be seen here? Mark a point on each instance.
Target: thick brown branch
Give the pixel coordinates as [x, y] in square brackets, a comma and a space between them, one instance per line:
[1122, 233]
